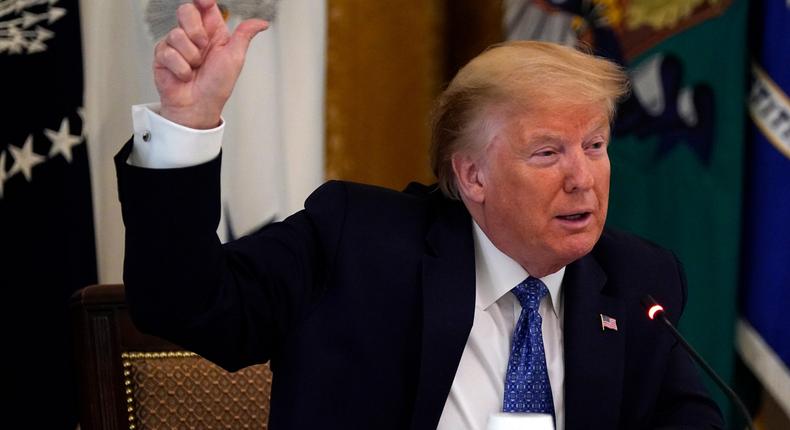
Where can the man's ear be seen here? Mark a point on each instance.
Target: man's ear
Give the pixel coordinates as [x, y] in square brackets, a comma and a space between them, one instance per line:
[469, 177]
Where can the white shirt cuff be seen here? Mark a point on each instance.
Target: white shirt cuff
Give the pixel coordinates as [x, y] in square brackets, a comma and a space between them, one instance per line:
[163, 144]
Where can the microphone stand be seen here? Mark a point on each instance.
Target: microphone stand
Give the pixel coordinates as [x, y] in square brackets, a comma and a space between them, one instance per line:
[656, 311]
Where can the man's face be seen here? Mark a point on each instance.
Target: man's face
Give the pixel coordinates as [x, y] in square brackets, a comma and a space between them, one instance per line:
[546, 185]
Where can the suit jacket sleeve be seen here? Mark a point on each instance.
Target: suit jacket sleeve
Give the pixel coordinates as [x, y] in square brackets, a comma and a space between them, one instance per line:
[232, 303]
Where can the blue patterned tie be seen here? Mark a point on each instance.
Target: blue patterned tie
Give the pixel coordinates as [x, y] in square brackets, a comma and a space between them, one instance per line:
[527, 387]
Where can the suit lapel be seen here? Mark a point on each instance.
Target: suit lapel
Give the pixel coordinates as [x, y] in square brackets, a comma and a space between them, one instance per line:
[448, 288]
[593, 356]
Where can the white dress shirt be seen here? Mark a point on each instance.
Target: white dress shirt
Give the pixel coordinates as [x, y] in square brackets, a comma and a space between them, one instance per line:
[163, 144]
[478, 387]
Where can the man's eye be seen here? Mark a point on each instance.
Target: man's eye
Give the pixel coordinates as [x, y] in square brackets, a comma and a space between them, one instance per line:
[547, 153]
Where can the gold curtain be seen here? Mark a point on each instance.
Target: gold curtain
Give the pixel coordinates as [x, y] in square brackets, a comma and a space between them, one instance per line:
[386, 62]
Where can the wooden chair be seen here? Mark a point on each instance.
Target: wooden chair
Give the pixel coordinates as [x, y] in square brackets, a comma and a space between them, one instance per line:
[129, 380]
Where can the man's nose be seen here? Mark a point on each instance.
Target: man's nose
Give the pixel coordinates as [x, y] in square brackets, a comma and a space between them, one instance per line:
[578, 173]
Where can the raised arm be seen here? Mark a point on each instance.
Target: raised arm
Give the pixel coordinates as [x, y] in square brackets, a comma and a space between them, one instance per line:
[231, 303]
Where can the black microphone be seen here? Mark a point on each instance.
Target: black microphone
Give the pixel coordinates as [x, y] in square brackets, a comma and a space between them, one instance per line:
[656, 311]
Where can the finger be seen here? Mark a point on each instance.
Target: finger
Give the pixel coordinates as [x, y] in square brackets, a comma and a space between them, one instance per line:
[211, 16]
[178, 39]
[205, 4]
[244, 33]
[190, 20]
[167, 57]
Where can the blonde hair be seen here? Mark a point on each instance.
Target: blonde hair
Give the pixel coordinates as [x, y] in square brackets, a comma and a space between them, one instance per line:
[515, 75]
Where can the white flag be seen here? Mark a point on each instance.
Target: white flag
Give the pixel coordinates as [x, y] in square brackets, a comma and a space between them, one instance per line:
[274, 136]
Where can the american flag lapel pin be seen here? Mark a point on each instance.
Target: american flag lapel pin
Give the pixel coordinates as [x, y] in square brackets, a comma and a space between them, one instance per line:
[608, 322]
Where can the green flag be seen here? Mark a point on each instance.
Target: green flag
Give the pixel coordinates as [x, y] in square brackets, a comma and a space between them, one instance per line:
[677, 163]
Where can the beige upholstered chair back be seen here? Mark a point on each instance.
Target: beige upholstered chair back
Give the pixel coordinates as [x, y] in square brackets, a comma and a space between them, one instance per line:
[129, 380]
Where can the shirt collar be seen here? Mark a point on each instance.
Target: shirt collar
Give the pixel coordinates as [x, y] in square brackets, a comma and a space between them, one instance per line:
[496, 274]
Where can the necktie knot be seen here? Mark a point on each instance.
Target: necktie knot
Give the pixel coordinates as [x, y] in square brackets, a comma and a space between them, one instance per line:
[530, 292]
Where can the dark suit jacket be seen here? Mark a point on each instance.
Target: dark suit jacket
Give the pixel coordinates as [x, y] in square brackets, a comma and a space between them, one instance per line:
[364, 300]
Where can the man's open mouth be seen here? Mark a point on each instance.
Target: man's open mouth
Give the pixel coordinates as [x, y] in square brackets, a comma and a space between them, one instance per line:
[575, 217]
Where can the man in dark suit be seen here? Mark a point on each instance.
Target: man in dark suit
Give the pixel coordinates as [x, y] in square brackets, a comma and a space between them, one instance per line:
[499, 290]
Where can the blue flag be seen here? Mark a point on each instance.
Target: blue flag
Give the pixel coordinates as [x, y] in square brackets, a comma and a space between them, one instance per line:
[46, 218]
[764, 329]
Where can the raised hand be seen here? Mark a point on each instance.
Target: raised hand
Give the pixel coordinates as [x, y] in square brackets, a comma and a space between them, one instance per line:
[196, 65]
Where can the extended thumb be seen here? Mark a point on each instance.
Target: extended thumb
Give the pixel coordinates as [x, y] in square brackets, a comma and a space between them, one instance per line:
[245, 31]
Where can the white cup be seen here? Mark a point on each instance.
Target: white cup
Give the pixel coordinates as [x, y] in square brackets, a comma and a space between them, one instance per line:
[520, 421]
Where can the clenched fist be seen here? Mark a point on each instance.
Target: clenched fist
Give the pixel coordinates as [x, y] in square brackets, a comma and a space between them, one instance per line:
[196, 65]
